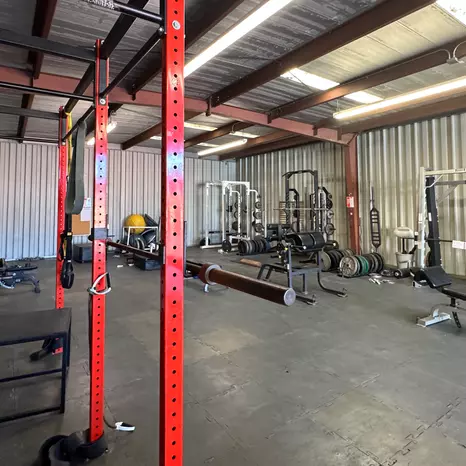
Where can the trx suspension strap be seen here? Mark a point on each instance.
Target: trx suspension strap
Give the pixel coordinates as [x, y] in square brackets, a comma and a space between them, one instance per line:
[73, 204]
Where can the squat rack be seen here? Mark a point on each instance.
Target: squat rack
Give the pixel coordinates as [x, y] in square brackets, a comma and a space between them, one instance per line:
[171, 32]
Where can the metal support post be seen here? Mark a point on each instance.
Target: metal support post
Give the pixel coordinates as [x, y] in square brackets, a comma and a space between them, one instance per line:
[206, 214]
[62, 173]
[99, 258]
[224, 234]
[352, 193]
[421, 233]
[172, 273]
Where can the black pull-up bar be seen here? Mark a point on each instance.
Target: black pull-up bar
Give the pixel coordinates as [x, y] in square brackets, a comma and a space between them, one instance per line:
[40, 90]
[127, 10]
[146, 48]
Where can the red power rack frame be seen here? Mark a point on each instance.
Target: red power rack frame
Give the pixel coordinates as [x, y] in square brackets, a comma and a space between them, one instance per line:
[62, 174]
[172, 276]
[99, 235]
[172, 237]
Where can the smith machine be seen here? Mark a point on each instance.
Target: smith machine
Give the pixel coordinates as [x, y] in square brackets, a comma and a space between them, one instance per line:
[91, 442]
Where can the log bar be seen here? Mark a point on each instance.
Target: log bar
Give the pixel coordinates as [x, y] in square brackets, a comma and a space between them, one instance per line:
[211, 273]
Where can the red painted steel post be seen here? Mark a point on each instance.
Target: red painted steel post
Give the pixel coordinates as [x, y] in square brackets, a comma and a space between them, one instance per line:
[352, 193]
[172, 276]
[99, 258]
[62, 173]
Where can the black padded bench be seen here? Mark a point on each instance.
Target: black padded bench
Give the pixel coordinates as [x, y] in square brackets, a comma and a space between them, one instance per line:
[26, 327]
[439, 280]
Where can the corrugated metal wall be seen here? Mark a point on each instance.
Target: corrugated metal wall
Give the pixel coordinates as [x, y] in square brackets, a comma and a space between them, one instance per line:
[389, 159]
[265, 171]
[28, 189]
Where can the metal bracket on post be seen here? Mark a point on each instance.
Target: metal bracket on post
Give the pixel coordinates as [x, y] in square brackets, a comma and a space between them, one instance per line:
[172, 273]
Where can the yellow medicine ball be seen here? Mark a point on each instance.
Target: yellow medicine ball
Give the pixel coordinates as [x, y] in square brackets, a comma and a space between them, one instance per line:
[135, 220]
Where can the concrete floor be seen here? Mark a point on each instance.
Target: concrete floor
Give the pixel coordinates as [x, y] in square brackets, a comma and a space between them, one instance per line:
[350, 382]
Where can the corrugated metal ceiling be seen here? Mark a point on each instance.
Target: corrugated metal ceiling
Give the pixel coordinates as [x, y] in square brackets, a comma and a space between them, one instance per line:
[79, 24]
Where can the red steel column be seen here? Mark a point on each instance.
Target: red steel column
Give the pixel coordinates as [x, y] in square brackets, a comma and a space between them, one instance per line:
[99, 259]
[352, 193]
[172, 276]
[62, 173]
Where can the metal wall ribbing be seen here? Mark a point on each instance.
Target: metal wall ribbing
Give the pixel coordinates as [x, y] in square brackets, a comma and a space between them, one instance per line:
[28, 190]
[389, 159]
[265, 171]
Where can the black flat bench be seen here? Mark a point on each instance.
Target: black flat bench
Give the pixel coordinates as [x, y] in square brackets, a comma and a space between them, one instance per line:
[26, 327]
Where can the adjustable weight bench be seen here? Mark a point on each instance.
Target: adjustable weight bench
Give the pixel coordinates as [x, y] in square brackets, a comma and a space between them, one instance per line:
[10, 275]
[439, 280]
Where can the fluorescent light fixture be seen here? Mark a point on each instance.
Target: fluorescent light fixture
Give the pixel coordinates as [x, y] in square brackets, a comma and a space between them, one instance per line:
[402, 99]
[323, 84]
[242, 134]
[235, 33]
[223, 147]
[456, 8]
[205, 144]
[202, 127]
[110, 127]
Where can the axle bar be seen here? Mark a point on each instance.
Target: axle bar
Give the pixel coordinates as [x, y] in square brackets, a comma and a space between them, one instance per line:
[270, 291]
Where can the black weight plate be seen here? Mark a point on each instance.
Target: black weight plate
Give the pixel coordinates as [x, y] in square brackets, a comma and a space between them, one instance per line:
[369, 259]
[258, 228]
[240, 247]
[226, 246]
[258, 205]
[235, 214]
[329, 204]
[258, 244]
[377, 263]
[340, 254]
[381, 262]
[236, 204]
[264, 244]
[372, 262]
[257, 215]
[333, 258]
[234, 226]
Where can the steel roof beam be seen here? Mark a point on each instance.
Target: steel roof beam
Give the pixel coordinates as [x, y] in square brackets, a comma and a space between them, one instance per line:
[43, 17]
[202, 21]
[114, 37]
[40, 44]
[449, 106]
[119, 95]
[29, 113]
[431, 58]
[281, 143]
[369, 21]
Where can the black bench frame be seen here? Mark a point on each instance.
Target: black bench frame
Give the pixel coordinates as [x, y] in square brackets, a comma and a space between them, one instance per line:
[20, 321]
